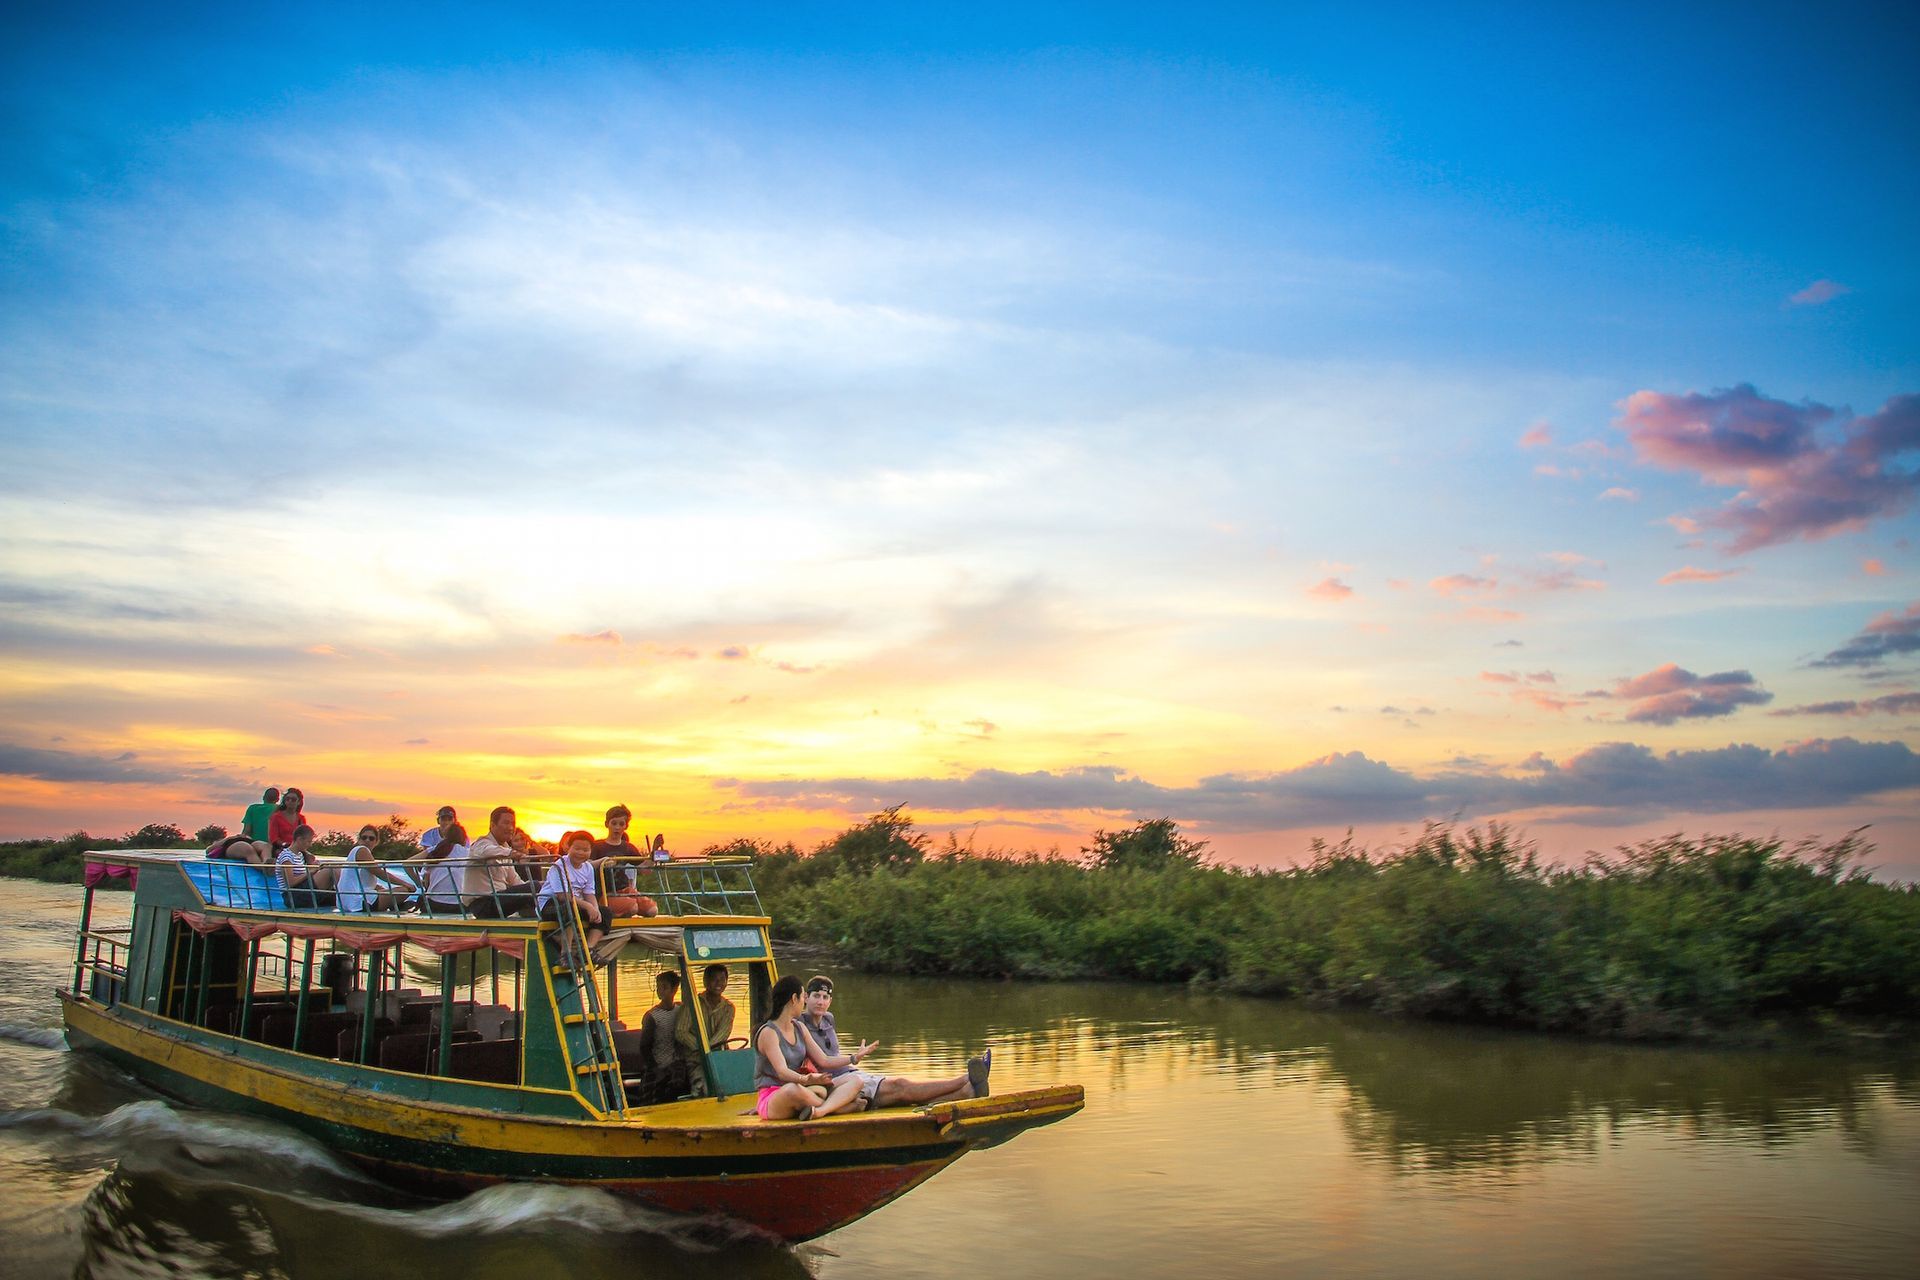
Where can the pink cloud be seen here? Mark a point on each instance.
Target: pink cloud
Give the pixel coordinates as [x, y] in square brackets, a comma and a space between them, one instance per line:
[1818, 292]
[1537, 436]
[1330, 589]
[1794, 483]
[1542, 677]
[1499, 677]
[1486, 613]
[1618, 494]
[1873, 568]
[1670, 692]
[1457, 585]
[597, 637]
[1690, 574]
[1546, 701]
[1888, 704]
[1891, 635]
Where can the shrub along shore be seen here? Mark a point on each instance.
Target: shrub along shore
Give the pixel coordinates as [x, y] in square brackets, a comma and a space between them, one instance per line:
[1717, 937]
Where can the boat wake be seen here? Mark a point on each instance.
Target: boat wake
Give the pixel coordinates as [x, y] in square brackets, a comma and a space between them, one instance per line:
[39, 1037]
[208, 1140]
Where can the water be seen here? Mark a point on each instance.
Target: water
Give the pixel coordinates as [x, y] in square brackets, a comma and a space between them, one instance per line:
[1222, 1137]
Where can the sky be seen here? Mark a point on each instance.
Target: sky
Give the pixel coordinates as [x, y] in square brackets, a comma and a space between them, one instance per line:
[1283, 419]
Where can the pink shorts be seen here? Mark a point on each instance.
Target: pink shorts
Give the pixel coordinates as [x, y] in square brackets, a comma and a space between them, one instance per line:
[761, 1106]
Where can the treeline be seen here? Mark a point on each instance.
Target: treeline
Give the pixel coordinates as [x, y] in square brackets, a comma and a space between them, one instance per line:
[1672, 938]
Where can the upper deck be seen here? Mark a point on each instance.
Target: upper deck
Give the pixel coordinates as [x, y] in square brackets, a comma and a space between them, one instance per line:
[684, 889]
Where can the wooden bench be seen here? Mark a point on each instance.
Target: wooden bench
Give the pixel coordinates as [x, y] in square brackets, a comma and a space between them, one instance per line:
[492, 1061]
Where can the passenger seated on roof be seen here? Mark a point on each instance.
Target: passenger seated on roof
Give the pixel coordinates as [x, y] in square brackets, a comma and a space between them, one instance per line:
[878, 1090]
[665, 1071]
[308, 883]
[437, 868]
[491, 883]
[282, 823]
[240, 849]
[571, 881]
[717, 1012]
[623, 899]
[781, 1050]
[361, 880]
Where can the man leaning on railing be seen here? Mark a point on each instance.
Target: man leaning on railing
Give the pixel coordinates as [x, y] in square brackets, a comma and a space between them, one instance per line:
[491, 885]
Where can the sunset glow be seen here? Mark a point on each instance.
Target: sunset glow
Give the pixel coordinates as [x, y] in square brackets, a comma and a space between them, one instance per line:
[1284, 423]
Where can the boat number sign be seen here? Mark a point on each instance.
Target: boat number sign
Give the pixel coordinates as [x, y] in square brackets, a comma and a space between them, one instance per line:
[725, 944]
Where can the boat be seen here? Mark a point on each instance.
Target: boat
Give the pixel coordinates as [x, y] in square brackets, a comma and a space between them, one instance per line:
[447, 1052]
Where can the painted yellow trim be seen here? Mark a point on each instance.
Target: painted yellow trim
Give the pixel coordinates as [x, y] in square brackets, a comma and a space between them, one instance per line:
[689, 1128]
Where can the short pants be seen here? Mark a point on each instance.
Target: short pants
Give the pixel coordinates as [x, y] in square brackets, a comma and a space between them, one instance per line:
[760, 1106]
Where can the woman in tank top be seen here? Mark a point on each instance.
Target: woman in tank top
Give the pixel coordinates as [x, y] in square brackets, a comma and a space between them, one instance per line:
[781, 1048]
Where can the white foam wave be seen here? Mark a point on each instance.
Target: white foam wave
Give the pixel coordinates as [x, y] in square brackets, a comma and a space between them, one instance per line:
[207, 1137]
[40, 1037]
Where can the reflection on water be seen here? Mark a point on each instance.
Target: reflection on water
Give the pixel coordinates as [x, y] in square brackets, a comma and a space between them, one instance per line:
[1224, 1136]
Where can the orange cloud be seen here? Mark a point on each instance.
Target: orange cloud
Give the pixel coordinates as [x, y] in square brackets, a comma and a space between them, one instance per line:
[1330, 589]
[1691, 574]
[1873, 568]
[1457, 585]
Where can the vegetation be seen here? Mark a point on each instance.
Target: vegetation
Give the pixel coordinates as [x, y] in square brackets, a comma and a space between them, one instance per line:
[1676, 937]
[1671, 938]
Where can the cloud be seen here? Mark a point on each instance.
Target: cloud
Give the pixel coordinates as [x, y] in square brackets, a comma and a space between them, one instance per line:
[1690, 574]
[1618, 494]
[1615, 782]
[1499, 677]
[732, 653]
[597, 637]
[1456, 586]
[1670, 693]
[1793, 483]
[1873, 568]
[1537, 436]
[1887, 636]
[125, 768]
[1330, 589]
[1818, 292]
[1886, 704]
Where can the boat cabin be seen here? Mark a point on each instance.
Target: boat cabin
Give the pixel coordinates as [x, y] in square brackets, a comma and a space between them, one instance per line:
[495, 1013]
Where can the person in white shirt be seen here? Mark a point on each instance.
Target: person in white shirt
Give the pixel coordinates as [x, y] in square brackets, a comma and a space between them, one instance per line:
[437, 867]
[570, 883]
[366, 884]
[491, 883]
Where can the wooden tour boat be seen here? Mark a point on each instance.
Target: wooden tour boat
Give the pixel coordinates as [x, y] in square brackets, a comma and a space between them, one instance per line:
[448, 1052]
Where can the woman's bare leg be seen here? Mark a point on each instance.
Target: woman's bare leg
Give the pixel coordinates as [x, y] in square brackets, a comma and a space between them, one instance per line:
[844, 1092]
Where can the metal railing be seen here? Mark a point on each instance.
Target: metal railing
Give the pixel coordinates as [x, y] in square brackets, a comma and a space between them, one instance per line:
[720, 886]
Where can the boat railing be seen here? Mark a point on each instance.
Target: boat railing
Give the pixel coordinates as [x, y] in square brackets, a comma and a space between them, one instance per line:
[719, 886]
[102, 963]
[692, 887]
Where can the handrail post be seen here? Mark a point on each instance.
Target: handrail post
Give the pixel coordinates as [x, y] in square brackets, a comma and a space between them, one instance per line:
[306, 986]
[246, 995]
[372, 994]
[446, 1014]
[80, 942]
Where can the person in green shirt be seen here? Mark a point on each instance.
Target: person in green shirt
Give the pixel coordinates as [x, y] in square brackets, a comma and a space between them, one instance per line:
[254, 824]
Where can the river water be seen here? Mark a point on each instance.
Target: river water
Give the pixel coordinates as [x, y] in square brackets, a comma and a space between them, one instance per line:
[1222, 1137]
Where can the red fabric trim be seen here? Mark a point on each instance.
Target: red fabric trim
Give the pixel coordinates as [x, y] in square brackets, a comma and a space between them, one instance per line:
[98, 871]
[439, 944]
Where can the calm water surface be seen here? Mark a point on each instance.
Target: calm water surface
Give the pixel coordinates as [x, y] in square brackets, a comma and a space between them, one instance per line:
[1222, 1137]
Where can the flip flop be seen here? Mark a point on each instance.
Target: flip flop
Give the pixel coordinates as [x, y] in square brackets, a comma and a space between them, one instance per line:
[804, 1113]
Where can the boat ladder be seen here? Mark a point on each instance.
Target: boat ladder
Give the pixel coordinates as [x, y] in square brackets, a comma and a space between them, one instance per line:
[584, 1027]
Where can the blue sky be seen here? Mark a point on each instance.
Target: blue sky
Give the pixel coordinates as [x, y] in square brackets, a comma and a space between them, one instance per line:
[788, 409]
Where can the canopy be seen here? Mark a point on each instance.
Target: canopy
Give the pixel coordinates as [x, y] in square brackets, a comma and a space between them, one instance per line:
[364, 939]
